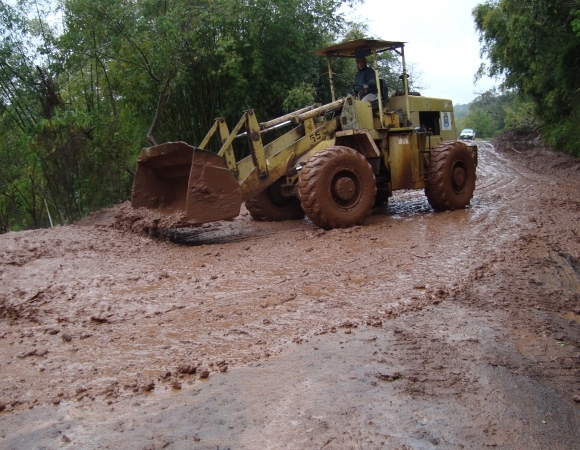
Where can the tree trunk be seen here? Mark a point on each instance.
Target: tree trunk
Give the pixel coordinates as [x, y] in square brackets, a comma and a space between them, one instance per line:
[160, 103]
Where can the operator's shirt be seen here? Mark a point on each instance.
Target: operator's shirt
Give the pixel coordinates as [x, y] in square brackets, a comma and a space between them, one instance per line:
[367, 76]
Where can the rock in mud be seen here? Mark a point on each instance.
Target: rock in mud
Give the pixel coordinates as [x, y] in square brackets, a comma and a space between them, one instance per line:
[288, 297]
[99, 319]
[149, 386]
[35, 352]
[2, 406]
[388, 377]
[188, 369]
[374, 322]
[66, 337]
[176, 385]
[204, 373]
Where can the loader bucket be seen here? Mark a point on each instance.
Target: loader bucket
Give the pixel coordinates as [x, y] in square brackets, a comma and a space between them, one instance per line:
[178, 177]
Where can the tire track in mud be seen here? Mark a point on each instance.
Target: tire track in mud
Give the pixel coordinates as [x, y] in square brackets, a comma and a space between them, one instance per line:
[215, 234]
[396, 287]
[351, 267]
[533, 278]
[245, 290]
[401, 291]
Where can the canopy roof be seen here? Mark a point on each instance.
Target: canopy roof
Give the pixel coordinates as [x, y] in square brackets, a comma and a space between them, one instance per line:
[358, 48]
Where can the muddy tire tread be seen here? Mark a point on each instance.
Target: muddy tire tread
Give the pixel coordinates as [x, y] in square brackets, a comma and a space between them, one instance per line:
[262, 209]
[309, 194]
[437, 184]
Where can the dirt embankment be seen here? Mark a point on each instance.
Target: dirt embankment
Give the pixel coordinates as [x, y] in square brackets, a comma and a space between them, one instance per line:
[366, 337]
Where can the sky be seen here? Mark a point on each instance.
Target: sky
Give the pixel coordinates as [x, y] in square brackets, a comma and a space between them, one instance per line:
[441, 42]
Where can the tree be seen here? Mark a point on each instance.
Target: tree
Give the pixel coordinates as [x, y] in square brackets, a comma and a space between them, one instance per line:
[344, 69]
[79, 98]
[495, 111]
[535, 45]
[28, 99]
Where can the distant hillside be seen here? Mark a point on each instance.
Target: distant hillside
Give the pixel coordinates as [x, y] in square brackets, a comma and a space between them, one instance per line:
[460, 111]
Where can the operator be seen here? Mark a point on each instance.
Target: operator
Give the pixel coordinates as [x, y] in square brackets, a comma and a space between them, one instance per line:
[365, 80]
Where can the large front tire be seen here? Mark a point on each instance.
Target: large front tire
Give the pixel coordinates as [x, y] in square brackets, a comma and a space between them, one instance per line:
[450, 180]
[337, 188]
[270, 206]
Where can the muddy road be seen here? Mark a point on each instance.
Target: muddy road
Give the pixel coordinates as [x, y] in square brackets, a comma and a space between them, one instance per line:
[417, 330]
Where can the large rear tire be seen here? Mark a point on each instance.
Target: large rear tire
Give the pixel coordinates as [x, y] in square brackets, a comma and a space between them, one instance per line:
[337, 188]
[451, 176]
[382, 196]
[270, 206]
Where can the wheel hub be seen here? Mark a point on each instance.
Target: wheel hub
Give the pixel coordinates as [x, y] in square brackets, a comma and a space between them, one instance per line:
[459, 177]
[344, 188]
[276, 194]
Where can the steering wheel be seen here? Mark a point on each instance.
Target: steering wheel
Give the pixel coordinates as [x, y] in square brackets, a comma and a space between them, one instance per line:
[357, 89]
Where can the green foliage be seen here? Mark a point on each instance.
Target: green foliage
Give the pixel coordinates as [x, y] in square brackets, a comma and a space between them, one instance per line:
[298, 97]
[495, 111]
[344, 69]
[481, 123]
[535, 45]
[520, 115]
[564, 134]
[79, 98]
[460, 111]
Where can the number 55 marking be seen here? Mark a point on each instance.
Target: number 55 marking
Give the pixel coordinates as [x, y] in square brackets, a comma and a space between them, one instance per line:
[315, 136]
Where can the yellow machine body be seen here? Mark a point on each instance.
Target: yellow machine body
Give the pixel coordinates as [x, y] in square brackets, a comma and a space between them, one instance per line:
[396, 138]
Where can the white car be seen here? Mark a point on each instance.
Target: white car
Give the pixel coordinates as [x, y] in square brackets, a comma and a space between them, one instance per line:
[468, 134]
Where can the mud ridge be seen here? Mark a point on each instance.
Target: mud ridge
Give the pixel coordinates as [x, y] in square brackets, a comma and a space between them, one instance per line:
[412, 318]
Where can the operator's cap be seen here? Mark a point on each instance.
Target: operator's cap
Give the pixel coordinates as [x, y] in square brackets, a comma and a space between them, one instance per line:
[362, 53]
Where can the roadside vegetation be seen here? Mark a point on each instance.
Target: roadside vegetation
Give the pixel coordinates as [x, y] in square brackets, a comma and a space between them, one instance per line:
[497, 111]
[534, 45]
[85, 85]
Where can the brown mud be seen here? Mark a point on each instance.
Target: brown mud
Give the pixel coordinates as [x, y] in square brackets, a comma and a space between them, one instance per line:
[415, 330]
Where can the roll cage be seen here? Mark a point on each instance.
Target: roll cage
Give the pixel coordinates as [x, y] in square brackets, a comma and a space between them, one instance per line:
[361, 48]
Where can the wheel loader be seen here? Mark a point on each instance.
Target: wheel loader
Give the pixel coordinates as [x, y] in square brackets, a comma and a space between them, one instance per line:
[334, 164]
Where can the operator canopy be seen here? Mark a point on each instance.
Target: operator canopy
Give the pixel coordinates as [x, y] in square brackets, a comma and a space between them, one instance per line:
[359, 48]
